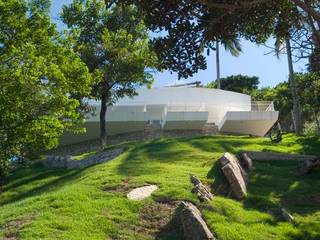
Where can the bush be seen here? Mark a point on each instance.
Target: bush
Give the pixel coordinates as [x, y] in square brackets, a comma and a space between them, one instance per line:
[310, 129]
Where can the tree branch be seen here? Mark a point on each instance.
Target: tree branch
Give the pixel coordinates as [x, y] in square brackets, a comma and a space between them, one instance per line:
[308, 9]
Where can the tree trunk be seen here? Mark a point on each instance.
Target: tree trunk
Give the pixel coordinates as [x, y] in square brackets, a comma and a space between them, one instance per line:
[317, 122]
[218, 65]
[294, 91]
[316, 108]
[103, 111]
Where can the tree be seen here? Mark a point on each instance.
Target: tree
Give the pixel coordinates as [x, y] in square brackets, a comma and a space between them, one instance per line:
[234, 47]
[308, 90]
[294, 91]
[282, 98]
[238, 83]
[113, 42]
[192, 26]
[189, 27]
[39, 73]
[308, 85]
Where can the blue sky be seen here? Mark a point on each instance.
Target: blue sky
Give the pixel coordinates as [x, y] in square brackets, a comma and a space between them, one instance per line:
[253, 62]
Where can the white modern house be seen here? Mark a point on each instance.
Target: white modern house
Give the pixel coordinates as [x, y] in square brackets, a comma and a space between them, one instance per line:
[182, 108]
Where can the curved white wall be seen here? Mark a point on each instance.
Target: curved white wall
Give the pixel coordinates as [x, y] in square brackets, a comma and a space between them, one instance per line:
[217, 102]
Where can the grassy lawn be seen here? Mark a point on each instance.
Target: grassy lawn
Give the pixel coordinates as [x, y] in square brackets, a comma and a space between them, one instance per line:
[91, 203]
[83, 155]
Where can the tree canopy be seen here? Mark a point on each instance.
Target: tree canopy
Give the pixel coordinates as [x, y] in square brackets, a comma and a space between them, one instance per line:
[238, 83]
[39, 74]
[114, 43]
[186, 28]
[308, 85]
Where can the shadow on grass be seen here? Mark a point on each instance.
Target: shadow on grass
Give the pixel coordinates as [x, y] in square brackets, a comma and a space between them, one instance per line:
[171, 231]
[271, 180]
[220, 185]
[274, 185]
[33, 174]
[145, 158]
[279, 179]
[219, 144]
[310, 145]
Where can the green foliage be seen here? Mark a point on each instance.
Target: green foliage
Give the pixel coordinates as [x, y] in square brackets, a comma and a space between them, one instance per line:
[308, 87]
[311, 128]
[42, 203]
[114, 43]
[189, 27]
[233, 46]
[39, 73]
[238, 83]
[280, 95]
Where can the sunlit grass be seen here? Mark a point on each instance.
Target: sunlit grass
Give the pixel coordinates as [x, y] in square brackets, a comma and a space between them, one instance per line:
[42, 203]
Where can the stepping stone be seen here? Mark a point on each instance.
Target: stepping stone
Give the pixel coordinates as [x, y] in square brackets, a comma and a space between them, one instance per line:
[141, 192]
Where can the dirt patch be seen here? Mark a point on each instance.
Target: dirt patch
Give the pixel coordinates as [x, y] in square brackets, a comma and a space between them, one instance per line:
[120, 188]
[156, 221]
[11, 228]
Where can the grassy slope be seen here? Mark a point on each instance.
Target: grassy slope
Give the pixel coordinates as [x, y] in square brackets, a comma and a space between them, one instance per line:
[40, 203]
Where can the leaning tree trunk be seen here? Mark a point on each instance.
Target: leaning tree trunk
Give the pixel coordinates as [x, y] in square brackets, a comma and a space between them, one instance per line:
[294, 91]
[317, 122]
[218, 65]
[103, 111]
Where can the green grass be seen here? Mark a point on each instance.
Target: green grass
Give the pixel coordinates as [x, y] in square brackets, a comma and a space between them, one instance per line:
[83, 155]
[91, 203]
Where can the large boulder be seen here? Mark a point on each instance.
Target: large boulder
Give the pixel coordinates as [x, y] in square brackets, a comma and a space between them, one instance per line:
[201, 190]
[235, 175]
[192, 225]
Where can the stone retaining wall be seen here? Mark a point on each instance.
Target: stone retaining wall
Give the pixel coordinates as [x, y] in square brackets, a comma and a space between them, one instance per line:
[266, 156]
[92, 145]
[67, 162]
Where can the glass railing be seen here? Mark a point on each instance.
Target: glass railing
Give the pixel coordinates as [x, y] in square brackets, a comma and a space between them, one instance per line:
[262, 106]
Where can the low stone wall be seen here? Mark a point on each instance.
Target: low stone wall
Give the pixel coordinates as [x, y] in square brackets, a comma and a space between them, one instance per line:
[93, 145]
[266, 156]
[67, 162]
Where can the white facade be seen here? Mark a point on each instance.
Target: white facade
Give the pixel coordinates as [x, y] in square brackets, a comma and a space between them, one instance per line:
[185, 99]
[185, 108]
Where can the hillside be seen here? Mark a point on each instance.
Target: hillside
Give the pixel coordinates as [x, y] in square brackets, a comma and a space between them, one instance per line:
[91, 203]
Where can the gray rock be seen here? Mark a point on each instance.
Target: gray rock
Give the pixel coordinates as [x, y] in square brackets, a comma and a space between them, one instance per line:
[67, 162]
[192, 225]
[286, 215]
[246, 161]
[235, 175]
[194, 180]
[201, 190]
[270, 156]
[141, 192]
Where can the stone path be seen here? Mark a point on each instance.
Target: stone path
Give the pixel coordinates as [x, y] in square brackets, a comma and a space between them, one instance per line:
[141, 192]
